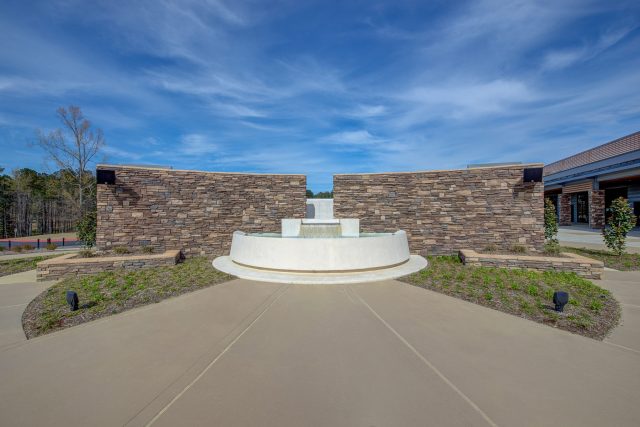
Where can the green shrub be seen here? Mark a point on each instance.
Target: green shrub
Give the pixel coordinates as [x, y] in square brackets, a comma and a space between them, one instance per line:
[550, 222]
[1, 248]
[147, 249]
[51, 246]
[491, 247]
[519, 249]
[121, 250]
[552, 248]
[86, 253]
[86, 228]
[17, 249]
[620, 222]
[28, 247]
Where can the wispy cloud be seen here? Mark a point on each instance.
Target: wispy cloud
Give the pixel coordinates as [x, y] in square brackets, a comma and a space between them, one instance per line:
[559, 59]
[195, 144]
[315, 88]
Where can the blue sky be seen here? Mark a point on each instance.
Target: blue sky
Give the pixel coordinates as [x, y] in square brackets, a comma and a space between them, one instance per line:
[322, 87]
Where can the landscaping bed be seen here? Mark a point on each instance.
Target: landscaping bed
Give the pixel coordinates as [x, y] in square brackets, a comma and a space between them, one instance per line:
[567, 262]
[592, 311]
[112, 292]
[13, 266]
[76, 265]
[625, 262]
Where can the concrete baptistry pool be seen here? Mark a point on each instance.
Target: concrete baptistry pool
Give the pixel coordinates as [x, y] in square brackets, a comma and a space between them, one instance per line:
[320, 251]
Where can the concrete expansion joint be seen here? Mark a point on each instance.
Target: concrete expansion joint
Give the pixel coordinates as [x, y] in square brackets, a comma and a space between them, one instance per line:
[426, 361]
[623, 347]
[273, 299]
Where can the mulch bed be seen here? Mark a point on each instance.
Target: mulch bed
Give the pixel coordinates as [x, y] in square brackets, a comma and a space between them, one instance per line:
[592, 311]
[109, 293]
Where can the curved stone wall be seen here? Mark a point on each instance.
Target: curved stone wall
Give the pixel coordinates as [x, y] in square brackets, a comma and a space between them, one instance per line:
[196, 212]
[444, 211]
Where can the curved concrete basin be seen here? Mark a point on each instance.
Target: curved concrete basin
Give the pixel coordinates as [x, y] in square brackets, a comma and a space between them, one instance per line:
[367, 252]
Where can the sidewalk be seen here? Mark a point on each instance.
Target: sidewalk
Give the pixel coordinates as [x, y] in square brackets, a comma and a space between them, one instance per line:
[387, 353]
[625, 286]
[584, 237]
[16, 291]
[59, 251]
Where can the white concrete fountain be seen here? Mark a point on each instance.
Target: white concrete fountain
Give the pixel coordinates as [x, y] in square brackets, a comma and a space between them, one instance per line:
[320, 251]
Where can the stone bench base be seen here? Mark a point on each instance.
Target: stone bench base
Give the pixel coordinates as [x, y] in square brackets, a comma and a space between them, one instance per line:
[582, 266]
[71, 265]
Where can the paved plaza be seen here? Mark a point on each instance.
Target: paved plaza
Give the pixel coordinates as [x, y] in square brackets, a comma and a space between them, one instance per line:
[248, 353]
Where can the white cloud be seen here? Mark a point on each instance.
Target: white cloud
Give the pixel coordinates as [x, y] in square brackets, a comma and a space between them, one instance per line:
[559, 59]
[367, 111]
[353, 138]
[195, 144]
[464, 100]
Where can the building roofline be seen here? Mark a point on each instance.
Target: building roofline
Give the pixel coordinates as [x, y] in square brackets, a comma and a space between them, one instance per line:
[549, 165]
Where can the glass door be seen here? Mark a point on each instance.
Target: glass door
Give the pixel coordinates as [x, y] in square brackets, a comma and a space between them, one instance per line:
[582, 208]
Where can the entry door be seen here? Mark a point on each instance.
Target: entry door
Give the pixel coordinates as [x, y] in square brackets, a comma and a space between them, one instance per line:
[582, 207]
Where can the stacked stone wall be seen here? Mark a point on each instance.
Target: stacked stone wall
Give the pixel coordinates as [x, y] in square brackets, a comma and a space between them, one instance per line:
[195, 212]
[596, 209]
[565, 209]
[568, 262]
[71, 265]
[444, 211]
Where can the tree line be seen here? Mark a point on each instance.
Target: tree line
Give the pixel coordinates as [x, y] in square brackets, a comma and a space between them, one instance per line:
[319, 195]
[34, 202]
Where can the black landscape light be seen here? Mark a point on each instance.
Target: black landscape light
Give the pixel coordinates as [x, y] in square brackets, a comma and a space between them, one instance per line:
[560, 299]
[72, 300]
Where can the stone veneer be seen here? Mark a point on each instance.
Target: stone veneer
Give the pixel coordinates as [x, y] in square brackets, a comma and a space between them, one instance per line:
[565, 209]
[596, 208]
[570, 262]
[443, 211]
[196, 212]
[70, 265]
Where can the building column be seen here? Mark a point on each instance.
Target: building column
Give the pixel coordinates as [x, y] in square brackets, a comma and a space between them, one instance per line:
[564, 200]
[596, 209]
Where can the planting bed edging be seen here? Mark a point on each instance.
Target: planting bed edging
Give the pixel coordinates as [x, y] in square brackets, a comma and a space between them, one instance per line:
[570, 262]
[71, 265]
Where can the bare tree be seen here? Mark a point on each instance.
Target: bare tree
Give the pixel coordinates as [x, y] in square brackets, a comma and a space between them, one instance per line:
[73, 147]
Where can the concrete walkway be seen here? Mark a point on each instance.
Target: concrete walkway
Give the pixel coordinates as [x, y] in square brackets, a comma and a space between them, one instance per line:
[16, 291]
[584, 237]
[246, 353]
[59, 251]
[625, 285]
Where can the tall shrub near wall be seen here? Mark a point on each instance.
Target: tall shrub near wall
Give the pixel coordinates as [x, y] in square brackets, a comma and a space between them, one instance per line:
[444, 211]
[196, 212]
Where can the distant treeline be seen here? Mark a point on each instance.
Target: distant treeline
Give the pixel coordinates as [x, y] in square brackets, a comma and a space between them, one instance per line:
[39, 203]
[320, 195]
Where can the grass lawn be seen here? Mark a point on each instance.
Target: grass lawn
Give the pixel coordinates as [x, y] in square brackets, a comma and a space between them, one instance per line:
[626, 262]
[13, 266]
[592, 311]
[109, 293]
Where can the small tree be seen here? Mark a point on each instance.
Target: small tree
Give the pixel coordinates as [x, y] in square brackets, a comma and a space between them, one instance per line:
[73, 148]
[550, 222]
[87, 229]
[621, 221]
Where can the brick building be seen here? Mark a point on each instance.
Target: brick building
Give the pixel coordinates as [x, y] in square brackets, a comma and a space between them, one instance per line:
[582, 186]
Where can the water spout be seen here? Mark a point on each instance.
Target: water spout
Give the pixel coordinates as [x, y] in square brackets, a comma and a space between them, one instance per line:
[320, 230]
